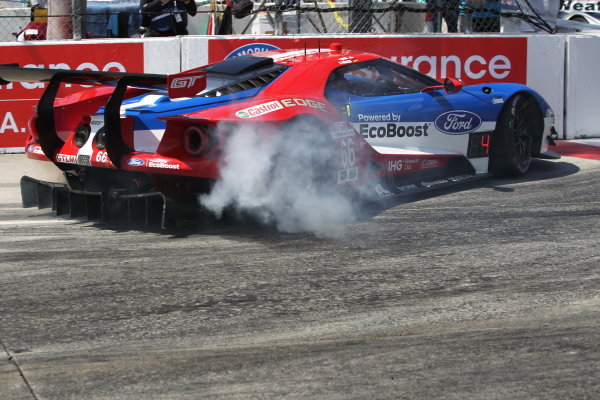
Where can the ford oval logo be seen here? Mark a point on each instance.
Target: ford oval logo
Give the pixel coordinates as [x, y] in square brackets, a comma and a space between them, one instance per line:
[457, 122]
[135, 162]
[251, 49]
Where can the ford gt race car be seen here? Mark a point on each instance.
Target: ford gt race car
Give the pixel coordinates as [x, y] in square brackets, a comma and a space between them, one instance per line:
[281, 132]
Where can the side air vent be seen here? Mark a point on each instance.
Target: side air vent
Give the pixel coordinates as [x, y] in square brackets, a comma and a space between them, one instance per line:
[251, 83]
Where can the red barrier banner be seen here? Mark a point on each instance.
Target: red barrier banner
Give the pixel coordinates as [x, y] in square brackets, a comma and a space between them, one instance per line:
[472, 59]
[17, 99]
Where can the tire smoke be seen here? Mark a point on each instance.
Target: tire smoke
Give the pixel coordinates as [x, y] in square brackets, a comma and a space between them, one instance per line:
[287, 179]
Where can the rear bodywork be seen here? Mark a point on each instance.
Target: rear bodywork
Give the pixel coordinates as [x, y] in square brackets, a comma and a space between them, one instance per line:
[143, 142]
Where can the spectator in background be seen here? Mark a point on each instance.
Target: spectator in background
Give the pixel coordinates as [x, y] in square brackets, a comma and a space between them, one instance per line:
[486, 17]
[35, 4]
[446, 9]
[166, 17]
[233, 8]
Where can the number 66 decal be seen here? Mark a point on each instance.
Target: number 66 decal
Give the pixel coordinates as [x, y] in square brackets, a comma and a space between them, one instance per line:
[347, 153]
[102, 157]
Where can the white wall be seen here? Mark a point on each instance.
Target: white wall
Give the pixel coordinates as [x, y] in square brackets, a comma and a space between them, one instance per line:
[582, 95]
[194, 51]
[162, 55]
[546, 72]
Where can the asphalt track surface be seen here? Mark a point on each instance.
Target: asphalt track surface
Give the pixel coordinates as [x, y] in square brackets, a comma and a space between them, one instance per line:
[490, 290]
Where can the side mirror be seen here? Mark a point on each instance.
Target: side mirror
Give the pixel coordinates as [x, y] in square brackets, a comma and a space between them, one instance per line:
[452, 85]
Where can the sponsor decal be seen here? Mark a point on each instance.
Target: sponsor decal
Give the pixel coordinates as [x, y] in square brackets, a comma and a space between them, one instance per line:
[393, 130]
[66, 158]
[9, 124]
[460, 178]
[304, 103]
[382, 192]
[283, 57]
[406, 188]
[389, 117]
[35, 149]
[497, 100]
[84, 160]
[347, 60]
[258, 110]
[466, 68]
[586, 6]
[408, 164]
[471, 59]
[434, 183]
[342, 129]
[395, 166]
[251, 49]
[162, 164]
[265, 108]
[457, 122]
[347, 175]
[135, 162]
[427, 164]
[17, 97]
[97, 121]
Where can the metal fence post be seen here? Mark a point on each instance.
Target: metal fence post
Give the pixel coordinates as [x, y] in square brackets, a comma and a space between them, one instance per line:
[59, 21]
[77, 7]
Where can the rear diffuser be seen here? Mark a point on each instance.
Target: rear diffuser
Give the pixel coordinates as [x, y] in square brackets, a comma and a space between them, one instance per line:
[143, 208]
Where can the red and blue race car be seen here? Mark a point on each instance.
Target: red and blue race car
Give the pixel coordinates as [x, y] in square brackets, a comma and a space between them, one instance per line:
[326, 120]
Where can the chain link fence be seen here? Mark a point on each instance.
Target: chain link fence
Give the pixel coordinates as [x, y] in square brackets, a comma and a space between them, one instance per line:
[80, 19]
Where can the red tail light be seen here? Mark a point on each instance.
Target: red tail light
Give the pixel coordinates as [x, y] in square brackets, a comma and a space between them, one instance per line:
[32, 125]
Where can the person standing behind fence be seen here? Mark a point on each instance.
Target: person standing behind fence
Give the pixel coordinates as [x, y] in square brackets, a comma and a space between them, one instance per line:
[486, 17]
[166, 17]
[446, 9]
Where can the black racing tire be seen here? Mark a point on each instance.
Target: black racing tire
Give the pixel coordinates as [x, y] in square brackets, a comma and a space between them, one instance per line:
[512, 142]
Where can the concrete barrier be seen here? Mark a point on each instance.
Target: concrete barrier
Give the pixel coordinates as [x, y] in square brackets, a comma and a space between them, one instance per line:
[546, 73]
[561, 67]
[583, 86]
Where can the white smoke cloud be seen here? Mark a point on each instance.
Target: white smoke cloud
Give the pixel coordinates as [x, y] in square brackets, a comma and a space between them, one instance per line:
[283, 179]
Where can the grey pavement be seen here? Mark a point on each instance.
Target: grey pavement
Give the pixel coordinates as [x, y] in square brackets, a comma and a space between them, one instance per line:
[490, 290]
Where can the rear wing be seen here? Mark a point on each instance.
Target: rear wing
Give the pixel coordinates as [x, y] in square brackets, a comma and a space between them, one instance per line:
[182, 84]
[12, 73]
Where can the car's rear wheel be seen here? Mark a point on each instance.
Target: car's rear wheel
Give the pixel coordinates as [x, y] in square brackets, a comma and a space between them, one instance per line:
[513, 138]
